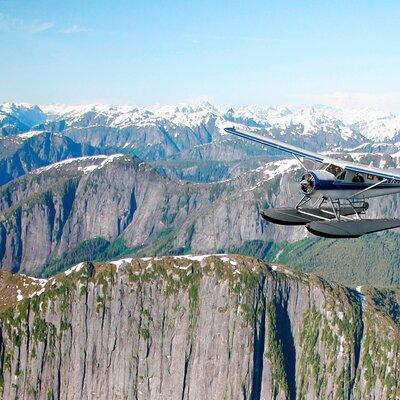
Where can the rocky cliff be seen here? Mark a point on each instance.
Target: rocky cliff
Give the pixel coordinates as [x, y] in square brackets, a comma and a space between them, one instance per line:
[215, 327]
[25, 152]
[54, 209]
[120, 202]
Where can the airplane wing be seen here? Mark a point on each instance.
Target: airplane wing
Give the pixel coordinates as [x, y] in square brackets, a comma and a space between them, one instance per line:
[313, 156]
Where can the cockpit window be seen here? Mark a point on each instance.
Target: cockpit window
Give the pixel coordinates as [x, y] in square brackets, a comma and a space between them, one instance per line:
[334, 169]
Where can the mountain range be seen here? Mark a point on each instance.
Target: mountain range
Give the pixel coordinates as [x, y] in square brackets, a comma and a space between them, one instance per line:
[186, 126]
[102, 209]
[74, 184]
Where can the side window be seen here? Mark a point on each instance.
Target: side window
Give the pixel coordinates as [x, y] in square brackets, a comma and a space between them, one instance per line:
[342, 176]
[358, 178]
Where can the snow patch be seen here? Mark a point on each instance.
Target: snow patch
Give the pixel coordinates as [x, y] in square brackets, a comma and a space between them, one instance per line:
[83, 160]
[361, 296]
[194, 258]
[19, 295]
[342, 341]
[27, 135]
[273, 169]
[75, 268]
[227, 259]
[119, 263]
[37, 293]
[183, 267]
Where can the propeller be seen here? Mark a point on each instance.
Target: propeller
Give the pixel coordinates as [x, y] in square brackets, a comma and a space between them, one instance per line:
[301, 179]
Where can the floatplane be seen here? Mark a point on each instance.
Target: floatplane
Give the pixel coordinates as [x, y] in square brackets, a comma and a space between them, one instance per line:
[334, 197]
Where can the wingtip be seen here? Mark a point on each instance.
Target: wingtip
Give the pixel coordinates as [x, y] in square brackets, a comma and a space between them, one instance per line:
[229, 129]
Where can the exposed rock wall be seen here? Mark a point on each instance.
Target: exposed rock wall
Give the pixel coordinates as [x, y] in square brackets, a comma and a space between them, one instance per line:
[213, 327]
[48, 212]
[19, 155]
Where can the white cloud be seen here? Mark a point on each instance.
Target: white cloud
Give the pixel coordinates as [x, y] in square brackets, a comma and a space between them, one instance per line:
[389, 101]
[74, 29]
[11, 24]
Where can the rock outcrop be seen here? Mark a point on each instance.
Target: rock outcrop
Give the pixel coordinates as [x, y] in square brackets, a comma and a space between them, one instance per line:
[215, 327]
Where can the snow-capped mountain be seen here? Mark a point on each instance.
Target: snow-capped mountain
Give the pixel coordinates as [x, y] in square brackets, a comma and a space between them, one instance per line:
[172, 129]
[19, 117]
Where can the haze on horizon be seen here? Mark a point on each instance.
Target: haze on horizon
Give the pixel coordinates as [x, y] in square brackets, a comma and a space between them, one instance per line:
[343, 54]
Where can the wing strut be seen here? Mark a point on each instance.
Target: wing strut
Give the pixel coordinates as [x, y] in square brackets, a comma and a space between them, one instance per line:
[368, 188]
[300, 162]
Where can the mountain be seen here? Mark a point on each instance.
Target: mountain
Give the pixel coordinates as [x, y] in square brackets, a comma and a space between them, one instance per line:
[17, 118]
[160, 132]
[51, 212]
[67, 208]
[218, 326]
[100, 207]
[27, 151]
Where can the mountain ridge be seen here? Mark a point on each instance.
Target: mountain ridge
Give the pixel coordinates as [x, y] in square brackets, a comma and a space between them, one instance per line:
[373, 125]
[269, 331]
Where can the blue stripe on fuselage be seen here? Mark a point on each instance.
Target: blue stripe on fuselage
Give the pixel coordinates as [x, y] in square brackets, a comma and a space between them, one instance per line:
[360, 185]
[321, 184]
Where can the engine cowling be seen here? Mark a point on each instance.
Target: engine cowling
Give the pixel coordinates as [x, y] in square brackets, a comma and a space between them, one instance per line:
[312, 181]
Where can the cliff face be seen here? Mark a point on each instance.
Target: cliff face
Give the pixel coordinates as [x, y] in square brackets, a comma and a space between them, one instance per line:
[21, 154]
[56, 208]
[215, 327]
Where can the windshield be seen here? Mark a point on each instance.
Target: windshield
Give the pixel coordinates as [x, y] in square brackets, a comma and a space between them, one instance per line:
[334, 169]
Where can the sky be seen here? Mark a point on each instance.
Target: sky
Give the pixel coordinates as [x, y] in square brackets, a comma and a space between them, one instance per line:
[342, 53]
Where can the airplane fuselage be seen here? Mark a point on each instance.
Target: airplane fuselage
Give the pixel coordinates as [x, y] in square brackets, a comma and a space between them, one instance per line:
[358, 186]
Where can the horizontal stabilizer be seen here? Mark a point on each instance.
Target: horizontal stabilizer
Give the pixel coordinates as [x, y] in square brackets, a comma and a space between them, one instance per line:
[351, 229]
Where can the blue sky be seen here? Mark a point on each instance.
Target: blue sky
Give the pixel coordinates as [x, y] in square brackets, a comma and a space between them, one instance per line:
[344, 53]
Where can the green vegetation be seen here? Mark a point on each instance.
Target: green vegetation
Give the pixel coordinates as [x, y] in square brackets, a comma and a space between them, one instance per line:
[370, 260]
[88, 250]
[275, 353]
